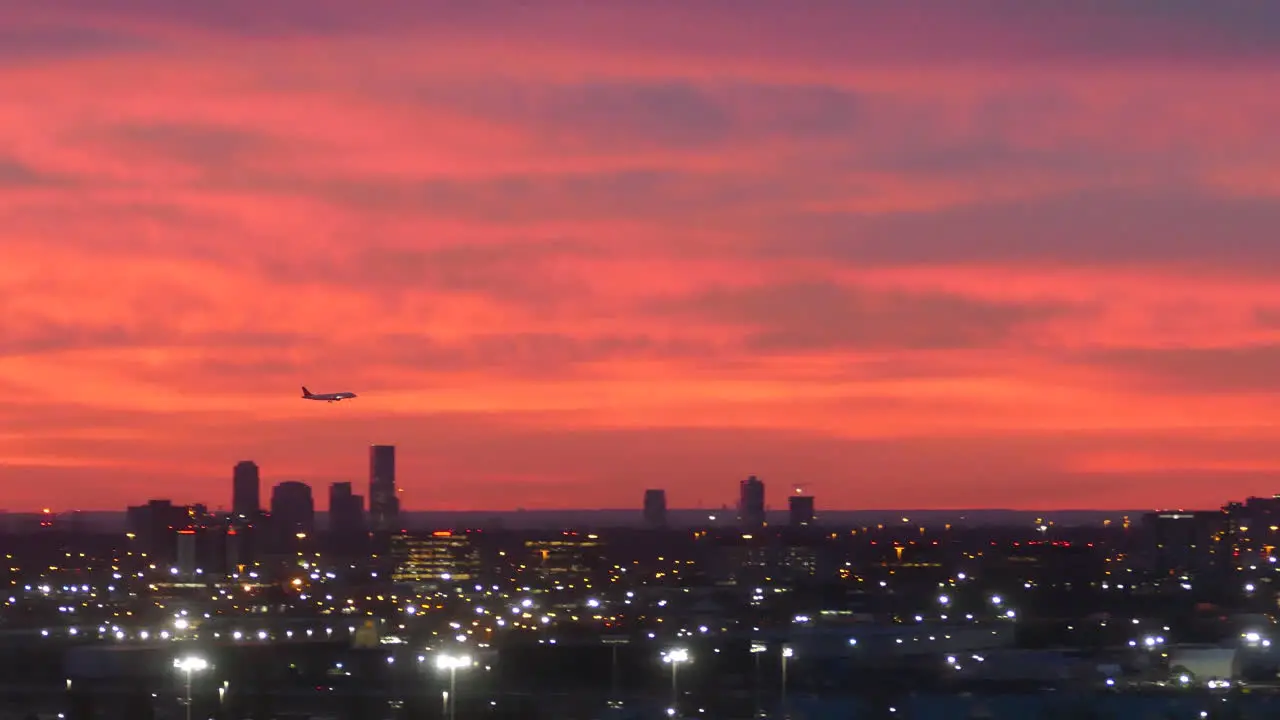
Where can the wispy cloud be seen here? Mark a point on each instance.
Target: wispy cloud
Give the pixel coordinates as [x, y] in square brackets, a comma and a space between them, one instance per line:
[18, 175]
[826, 316]
[43, 42]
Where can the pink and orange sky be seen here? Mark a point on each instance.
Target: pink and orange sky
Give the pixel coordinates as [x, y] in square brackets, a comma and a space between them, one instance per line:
[1013, 254]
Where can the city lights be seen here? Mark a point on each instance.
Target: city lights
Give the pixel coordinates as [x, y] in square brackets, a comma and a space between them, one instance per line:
[707, 592]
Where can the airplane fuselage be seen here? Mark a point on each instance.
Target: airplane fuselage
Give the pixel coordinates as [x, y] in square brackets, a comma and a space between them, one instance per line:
[326, 397]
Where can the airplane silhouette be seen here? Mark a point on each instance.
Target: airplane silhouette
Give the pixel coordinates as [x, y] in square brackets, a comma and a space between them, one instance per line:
[327, 397]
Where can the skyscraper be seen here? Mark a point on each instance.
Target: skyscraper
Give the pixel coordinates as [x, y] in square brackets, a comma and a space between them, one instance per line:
[384, 506]
[293, 511]
[246, 493]
[655, 508]
[801, 510]
[346, 512]
[751, 502]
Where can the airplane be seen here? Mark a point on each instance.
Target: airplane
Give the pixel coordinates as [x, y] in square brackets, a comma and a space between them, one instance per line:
[327, 397]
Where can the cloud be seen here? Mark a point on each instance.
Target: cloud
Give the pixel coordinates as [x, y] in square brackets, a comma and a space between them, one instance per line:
[516, 273]
[824, 316]
[15, 174]
[208, 147]
[666, 115]
[630, 194]
[990, 30]
[383, 363]
[1077, 229]
[487, 267]
[1236, 370]
[47, 339]
[114, 229]
[288, 20]
[44, 42]
[675, 115]
[1269, 317]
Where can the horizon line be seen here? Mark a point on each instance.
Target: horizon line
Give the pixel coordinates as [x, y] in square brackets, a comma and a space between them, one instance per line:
[640, 510]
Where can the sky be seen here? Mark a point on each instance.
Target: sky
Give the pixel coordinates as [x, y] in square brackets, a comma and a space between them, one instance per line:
[1017, 254]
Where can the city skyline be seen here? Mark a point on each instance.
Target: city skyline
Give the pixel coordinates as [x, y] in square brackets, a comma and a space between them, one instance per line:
[748, 508]
[998, 259]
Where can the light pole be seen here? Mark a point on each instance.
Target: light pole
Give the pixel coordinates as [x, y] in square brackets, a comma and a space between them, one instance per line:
[675, 658]
[189, 665]
[452, 663]
[787, 654]
[756, 650]
[613, 672]
[613, 641]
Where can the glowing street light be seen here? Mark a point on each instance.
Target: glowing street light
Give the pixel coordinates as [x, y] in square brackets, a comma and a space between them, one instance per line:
[675, 658]
[188, 665]
[452, 663]
[787, 654]
[757, 649]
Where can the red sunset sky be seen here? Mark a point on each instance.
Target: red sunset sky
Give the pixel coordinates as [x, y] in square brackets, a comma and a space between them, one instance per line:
[1011, 254]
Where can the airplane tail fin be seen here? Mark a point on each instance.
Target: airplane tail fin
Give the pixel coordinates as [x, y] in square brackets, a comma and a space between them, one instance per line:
[305, 391]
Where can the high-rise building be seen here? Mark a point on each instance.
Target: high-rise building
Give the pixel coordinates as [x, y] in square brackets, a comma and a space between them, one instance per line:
[246, 495]
[751, 502]
[238, 548]
[1187, 541]
[655, 508]
[187, 553]
[293, 511]
[800, 510]
[384, 506]
[442, 556]
[153, 527]
[346, 511]
[568, 553]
